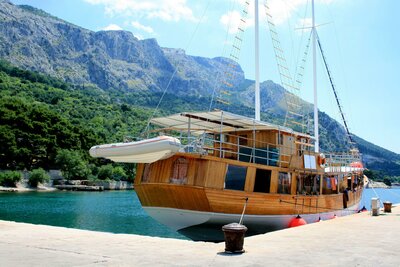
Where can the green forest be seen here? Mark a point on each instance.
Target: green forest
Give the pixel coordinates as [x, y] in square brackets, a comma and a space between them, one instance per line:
[47, 123]
[43, 119]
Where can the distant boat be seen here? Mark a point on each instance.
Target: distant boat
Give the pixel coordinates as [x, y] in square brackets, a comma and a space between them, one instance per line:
[225, 160]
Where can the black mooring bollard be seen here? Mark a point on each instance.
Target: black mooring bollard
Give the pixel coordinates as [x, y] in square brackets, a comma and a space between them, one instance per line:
[387, 206]
[234, 237]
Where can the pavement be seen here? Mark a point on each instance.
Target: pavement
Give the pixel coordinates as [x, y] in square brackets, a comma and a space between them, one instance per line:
[355, 240]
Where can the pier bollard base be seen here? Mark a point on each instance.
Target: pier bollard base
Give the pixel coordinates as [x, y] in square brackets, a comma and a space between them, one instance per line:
[387, 206]
[234, 237]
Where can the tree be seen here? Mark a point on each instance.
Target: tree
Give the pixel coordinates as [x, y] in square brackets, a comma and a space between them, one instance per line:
[105, 172]
[38, 176]
[72, 165]
[387, 181]
[10, 178]
[119, 173]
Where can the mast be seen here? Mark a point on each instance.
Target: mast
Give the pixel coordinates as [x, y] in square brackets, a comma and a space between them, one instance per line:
[257, 64]
[316, 133]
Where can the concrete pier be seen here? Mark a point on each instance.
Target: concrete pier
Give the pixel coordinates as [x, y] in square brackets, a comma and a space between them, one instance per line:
[356, 240]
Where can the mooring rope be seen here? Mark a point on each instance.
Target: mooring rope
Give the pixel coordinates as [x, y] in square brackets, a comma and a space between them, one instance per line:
[376, 194]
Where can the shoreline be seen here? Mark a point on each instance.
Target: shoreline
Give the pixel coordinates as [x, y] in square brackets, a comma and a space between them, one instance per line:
[20, 189]
[71, 185]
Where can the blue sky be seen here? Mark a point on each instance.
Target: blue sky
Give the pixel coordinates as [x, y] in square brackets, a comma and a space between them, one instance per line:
[360, 39]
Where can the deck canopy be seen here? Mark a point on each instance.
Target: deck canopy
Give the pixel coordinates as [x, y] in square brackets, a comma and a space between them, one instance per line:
[216, 122]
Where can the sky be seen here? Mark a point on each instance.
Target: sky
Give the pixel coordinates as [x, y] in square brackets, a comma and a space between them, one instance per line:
[359, 37]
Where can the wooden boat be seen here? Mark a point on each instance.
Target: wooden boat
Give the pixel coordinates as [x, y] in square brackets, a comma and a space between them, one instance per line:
[226, 161]
[144, 151]
[231, 158]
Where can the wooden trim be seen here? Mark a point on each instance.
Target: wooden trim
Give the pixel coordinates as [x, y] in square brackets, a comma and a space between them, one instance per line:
[139, 173]
[232, 201]
[250, 179]
[274, 182]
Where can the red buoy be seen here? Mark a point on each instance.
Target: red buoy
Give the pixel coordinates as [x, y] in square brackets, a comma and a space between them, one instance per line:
[297, 221]
[364, 209]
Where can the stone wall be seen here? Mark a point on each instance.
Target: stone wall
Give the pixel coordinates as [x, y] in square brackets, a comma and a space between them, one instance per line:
[114, 185]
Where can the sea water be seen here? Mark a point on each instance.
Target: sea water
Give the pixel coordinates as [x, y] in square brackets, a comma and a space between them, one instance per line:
[392, 195]
[108, 211]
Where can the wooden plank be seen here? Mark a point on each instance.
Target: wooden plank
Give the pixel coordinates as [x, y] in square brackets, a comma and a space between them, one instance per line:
[201, 172]
[215, 176]
[139, 173]
[173, 196]
[293, 186]
[274, 181]
[250, 179]
[192, 168]
[232, 201]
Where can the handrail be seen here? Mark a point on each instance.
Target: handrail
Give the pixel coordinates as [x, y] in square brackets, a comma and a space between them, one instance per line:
[258, 152]
[242, 148]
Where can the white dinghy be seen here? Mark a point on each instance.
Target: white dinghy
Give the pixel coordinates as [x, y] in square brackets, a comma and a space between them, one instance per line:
[144, 151]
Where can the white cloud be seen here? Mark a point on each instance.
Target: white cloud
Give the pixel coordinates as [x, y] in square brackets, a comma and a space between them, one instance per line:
[167, 10]
[140, 37]
[142, 27]
[231, 21]
[280, 10]
[112, 27]
[304, 23]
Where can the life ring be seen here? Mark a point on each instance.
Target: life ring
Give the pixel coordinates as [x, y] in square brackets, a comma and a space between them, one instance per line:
[321, 160]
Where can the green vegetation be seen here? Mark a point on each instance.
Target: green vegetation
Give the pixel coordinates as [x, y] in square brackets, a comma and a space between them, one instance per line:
[107, 172]
[71, 164]
[38, 176]
[47, 123]
[10, 178]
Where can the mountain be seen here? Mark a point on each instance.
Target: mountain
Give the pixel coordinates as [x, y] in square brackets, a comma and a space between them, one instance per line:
[137, 72]
[35, 40]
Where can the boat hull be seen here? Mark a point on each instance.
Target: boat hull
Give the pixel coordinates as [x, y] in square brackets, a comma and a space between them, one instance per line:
[199, 213]
[207, 226]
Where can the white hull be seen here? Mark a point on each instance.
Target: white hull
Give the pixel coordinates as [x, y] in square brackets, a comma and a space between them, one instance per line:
[194, 223]
[145, 151]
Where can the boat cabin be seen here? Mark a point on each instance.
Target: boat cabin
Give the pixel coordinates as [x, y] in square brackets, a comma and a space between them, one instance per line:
[222, 150]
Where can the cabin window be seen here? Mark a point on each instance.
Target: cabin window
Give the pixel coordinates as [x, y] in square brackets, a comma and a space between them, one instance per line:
[146, 173]
[280, 139]
[284, 181]
[224, 138]
[330, 185]
[243, 140]
[308, 185]
[263, 181]
[179, 171]
[235, 177]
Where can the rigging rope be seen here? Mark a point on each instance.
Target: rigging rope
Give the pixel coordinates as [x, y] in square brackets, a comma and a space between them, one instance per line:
[230, 70]
[294, 111]
[376, 194]
[334, 89]
[176, 70]
[223, 53]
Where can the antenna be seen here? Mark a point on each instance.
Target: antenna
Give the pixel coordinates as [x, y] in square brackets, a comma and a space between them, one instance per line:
[257, 64]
